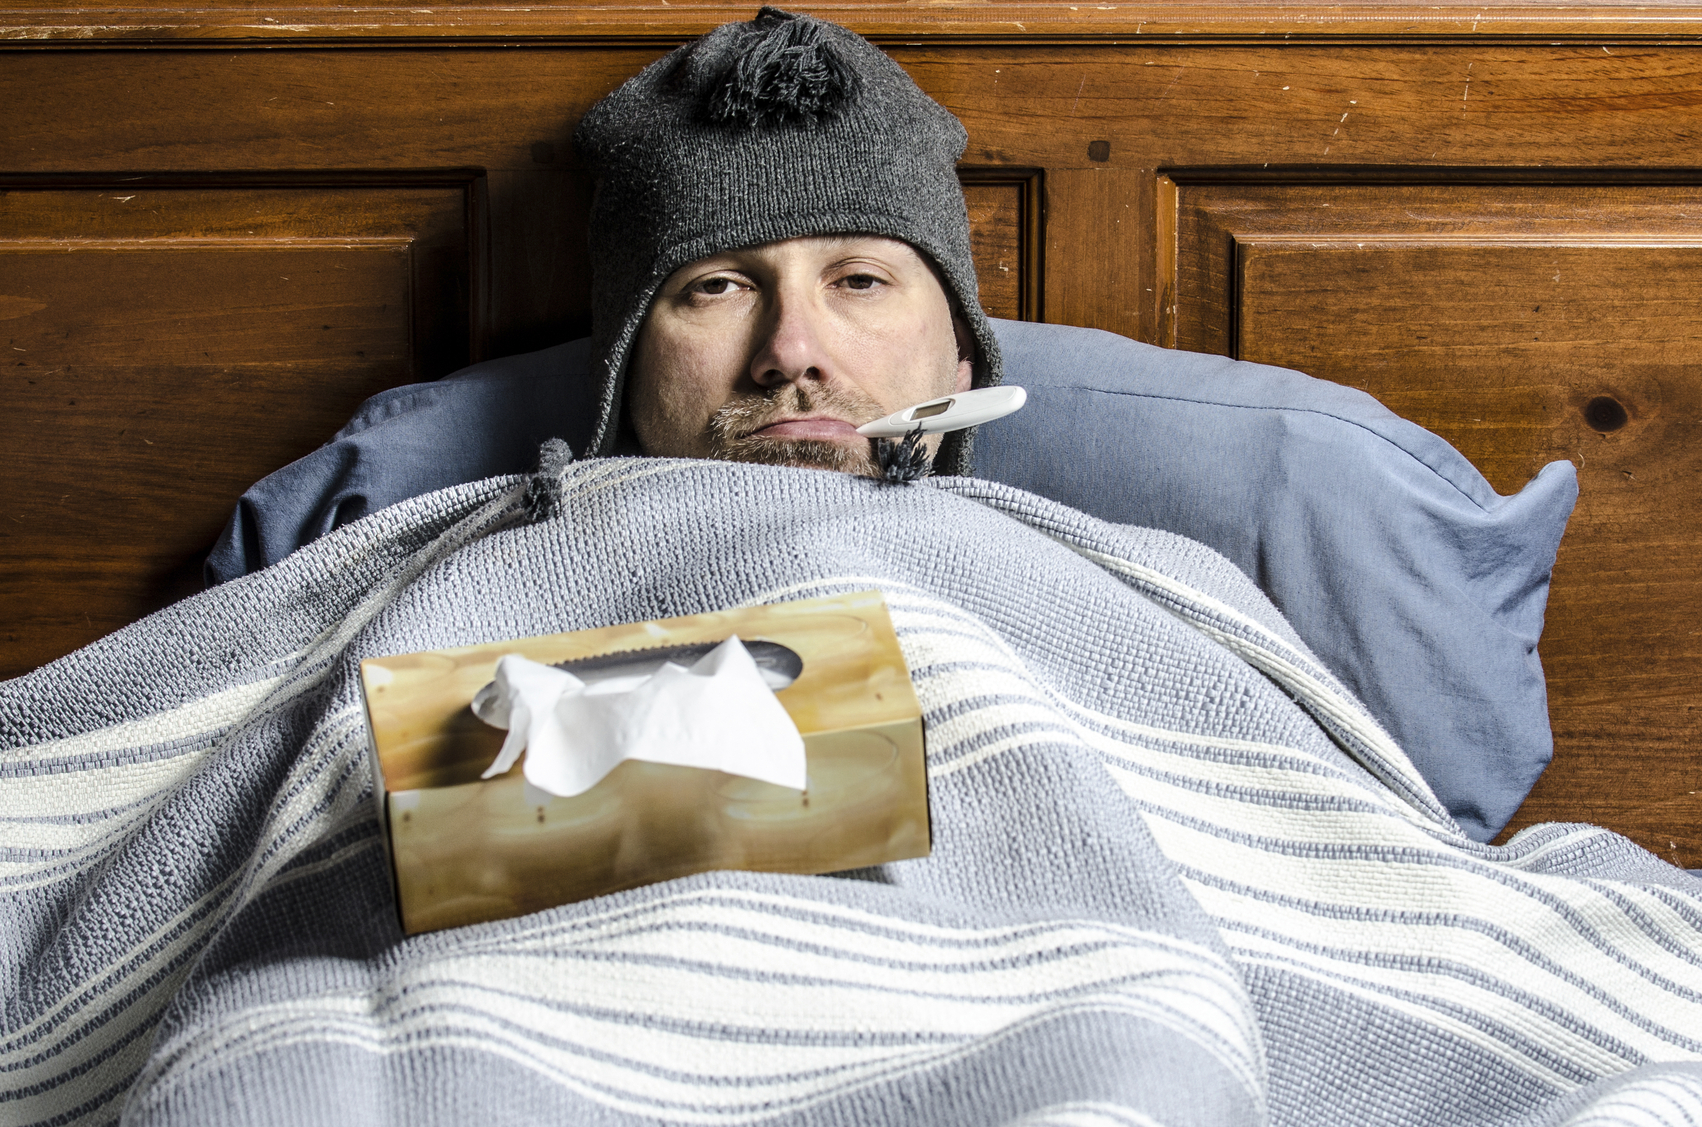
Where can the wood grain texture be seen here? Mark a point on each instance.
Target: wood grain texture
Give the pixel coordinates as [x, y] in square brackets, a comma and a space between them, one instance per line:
[1181, 107]
[1110, 288]
[135, 414]
[1498, 348]
[1005, 210]
[24, 23]
[467, 849]
[168, 345]
[1158, 106]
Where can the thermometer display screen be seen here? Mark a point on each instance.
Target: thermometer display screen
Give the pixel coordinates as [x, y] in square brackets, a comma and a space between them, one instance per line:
[929, 410]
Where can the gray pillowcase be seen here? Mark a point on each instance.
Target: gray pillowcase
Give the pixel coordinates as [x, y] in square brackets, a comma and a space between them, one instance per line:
[1410, 578]
[480, 422]
[1407, 574]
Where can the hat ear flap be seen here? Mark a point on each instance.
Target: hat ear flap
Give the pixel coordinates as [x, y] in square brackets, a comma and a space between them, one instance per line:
[786, 69]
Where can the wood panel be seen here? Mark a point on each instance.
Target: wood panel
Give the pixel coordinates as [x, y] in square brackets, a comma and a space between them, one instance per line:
[176, 302]
[1099, 249]
[1005, 237]
[1110, 124]
[1525, 323]
[1502, 350]
[168, 345]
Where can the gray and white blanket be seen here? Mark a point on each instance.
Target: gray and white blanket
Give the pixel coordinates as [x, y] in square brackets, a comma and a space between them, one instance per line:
[1179, 875]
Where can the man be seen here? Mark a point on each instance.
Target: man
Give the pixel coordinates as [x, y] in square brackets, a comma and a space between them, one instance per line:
[1178, 874]
[780, 250]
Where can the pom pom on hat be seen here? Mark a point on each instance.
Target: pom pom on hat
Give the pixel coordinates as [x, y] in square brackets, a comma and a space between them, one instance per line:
[786, 70]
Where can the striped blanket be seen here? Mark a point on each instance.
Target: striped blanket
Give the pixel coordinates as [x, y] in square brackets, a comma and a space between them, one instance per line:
[1179, 875]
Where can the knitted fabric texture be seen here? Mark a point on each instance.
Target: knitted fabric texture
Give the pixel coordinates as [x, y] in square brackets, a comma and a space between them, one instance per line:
[1166, 885]
[777, 128]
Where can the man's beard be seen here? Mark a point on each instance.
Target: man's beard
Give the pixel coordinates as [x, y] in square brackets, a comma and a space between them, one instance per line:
[732, 429]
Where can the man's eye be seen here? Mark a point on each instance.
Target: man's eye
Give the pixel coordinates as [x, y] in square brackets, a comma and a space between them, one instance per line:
[861, 281]
[715, 285]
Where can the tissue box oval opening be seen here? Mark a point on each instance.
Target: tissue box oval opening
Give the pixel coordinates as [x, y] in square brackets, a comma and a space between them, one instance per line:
[464, 850]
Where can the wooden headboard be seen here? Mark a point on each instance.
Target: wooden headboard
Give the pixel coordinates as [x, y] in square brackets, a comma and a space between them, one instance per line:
[221, 229]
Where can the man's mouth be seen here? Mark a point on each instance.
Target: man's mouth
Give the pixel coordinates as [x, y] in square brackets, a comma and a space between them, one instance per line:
[797, 426]
[817, 428]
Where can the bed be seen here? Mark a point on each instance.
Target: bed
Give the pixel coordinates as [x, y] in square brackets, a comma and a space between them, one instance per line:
[224, 229]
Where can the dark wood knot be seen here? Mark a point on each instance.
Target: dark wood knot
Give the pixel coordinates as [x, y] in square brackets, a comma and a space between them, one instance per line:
[1605, 413]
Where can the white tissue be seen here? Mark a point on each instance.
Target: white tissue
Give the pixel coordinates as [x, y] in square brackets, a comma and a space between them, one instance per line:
[718, 714]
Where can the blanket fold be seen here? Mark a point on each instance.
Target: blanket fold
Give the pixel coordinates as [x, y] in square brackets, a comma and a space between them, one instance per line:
[1180, 876]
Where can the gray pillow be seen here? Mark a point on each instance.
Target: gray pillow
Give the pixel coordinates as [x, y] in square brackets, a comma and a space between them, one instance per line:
[476, 423]
[1407, 575]
[1411, 579]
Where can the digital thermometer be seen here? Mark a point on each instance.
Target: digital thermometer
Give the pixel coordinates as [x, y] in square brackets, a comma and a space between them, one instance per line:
[949, 412]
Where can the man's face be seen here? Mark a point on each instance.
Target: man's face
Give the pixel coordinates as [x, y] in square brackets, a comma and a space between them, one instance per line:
[777, 353]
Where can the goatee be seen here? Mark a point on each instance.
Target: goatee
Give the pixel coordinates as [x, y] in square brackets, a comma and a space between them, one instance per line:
[733, 438]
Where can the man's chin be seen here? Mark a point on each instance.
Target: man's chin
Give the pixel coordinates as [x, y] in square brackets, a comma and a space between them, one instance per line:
[809, 453]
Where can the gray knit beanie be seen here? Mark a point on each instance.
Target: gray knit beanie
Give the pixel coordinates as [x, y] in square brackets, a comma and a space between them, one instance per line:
[757, 132]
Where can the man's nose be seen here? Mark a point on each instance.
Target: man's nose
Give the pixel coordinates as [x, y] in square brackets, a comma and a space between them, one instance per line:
[793, 347]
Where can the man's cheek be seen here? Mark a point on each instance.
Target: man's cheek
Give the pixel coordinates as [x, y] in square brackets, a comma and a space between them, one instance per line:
[685, 420]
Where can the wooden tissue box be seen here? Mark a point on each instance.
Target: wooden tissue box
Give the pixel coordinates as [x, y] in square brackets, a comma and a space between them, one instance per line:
[464, 850]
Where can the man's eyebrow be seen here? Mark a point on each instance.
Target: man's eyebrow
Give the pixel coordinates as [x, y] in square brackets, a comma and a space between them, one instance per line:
[849, 238]
[846, 250]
